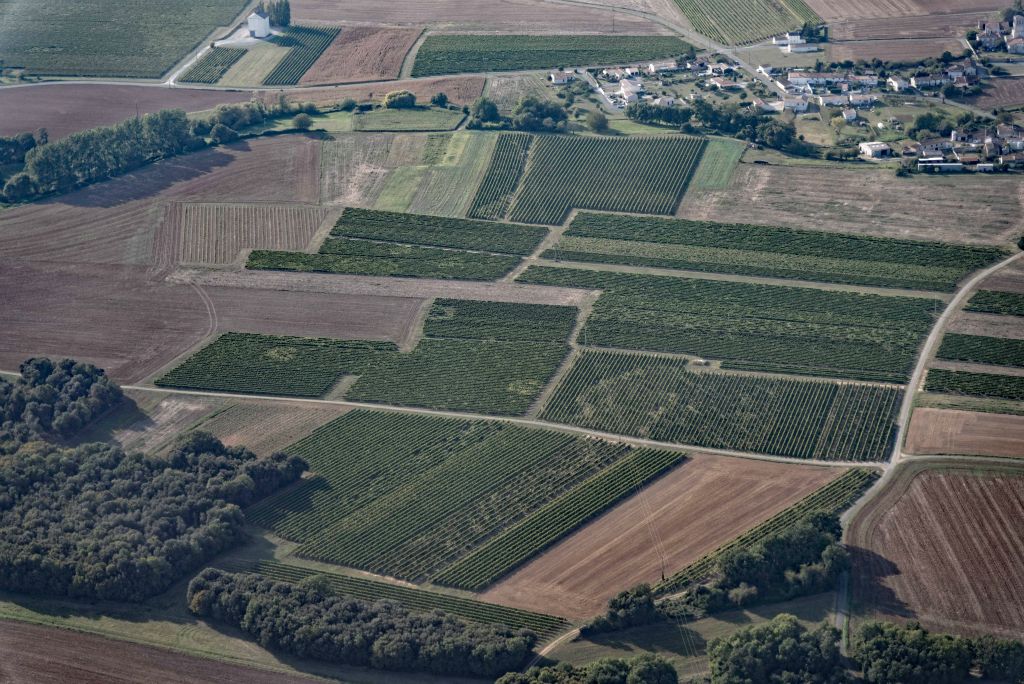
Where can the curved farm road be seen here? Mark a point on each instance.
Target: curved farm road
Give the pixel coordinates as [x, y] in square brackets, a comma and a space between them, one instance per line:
[552, 645]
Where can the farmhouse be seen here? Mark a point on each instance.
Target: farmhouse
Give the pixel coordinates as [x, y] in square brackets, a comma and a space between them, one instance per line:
[561, 77]
[662, 66]
[259, 24]
[875, 150]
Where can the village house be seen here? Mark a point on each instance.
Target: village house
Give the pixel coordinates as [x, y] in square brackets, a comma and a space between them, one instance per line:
[864, 80]
[665, 101]
[831, 100]
[619, 73]
[849, 115]
[1014, 160]
[812, 78]
[862, 100]
[875, 150]
[796, 104]
[898, 84]
[938, 165]
[724, 83]
[259, 24]
[791, 38]
[561, 77]
[1015, 41]
[796, 48]
[990, 34]
[928, 81]
[934, 146]
[630, 89]
[662, 66]
[765, 69]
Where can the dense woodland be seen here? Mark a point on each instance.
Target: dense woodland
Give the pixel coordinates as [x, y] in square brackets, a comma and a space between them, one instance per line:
[52, 399]
[95, 522]
[647, 669]
[305, 621]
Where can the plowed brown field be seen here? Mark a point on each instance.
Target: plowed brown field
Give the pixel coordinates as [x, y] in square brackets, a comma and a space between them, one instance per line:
[1001, 92]
[896, 27]
[693, 510]
[898, 50]
[362, 54]
[944, 546]
[64, 108]
[947, 431]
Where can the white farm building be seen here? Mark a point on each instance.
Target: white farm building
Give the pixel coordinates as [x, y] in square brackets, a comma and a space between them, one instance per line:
[259, 24]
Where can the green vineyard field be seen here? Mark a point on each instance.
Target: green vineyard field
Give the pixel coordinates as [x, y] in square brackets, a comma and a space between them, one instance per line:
[498, 186]
[743, 21]
[751, 326]
[307, 43]
[764, 251]
[975, 384]
[833, 498]
[455, 53]
[663, 399]
[212, 66]
[437, 231]
[998, 351]
[991, 301]
[467, 319]
[641, 174]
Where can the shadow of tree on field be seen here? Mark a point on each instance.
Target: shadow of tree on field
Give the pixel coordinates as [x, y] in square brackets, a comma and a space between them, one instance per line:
[869, 589]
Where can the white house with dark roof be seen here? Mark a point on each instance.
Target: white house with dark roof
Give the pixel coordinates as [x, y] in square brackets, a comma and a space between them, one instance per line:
[259, 24]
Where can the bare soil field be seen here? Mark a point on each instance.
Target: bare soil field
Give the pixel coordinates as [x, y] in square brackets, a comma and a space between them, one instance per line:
[945, 431]
[217, 233]
[1009, 279]
[693, 510]
[362, 54]
[34, 654]
[506, 16]
[836, 10]
[943, 546]
[991, 325]
[1000, 92]
[64, 108]
[266, 427]
[896, 50]
[460, 90]
[868, 201]
[902, 27]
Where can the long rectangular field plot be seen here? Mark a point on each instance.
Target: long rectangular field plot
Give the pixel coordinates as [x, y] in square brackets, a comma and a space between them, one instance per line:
[498, 187]
[637, 174]
[662, 399]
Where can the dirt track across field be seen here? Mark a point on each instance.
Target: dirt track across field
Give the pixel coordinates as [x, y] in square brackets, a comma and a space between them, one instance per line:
[947, 431]
[44, 655]
[689, 512]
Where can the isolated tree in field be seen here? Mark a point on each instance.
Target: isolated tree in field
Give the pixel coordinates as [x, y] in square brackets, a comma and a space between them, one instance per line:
[302, 121]
[485, 110]
[439, 100]
[597, 122]
[400, 99]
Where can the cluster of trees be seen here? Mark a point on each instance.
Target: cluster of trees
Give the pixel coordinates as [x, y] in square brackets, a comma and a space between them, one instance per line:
[746, 123]
[14, 148]
[227, 120]
[628, 608]
[308, 622]
[94, 522]
[781, 650]
[400, 99]
[279, 11]
[531, 114]
[649, 113]
[646, 669]
[52, 399]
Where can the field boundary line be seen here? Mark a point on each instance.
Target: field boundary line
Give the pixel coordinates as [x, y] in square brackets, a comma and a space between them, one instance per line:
[409, 58]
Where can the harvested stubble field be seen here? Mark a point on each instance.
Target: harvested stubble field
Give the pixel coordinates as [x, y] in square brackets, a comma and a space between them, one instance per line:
[964, 209]
[896, 50]
[362, 53]
[461, 90]
[507, 16]
[217, 233]
[943, 546]
[948, 431]
[685, 511]
[838, 10]
[507, 91]
[268, 427]
[65, 108]
[905, 27]
[1001, 92]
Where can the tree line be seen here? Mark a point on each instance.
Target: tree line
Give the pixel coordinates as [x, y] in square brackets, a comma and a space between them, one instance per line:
[306, 621]
[14, 148]
[95, 522]
[52, 399]
[645, 669]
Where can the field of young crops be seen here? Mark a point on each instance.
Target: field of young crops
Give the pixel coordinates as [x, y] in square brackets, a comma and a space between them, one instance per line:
[743, 21]
[437, 231]
[307, 43]
[453, 53]
[212, 66]
[407, 496]
[991, 301]
[998, 351]
[269, 364]
[641, 174]
[420, 600]
[975, 384]
[663, 399]
[754, 327]
[498, 187]
[763, 251]
[833, 498]
[508, 550]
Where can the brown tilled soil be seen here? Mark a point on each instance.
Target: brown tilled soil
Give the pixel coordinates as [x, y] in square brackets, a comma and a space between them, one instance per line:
[1009, 279]
[947, 431]
[64, 108]
[266, 427]
[362, 53]
[835, 10]
[44, 655]
[992, 325]
[895, 27]
[506, 16]
[870, 201]
[460, 90]
[946, 550]
[673, 522]
[897, 50]
[1000, 92]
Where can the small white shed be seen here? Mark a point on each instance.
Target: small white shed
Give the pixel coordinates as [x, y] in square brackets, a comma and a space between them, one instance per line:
[259, 24]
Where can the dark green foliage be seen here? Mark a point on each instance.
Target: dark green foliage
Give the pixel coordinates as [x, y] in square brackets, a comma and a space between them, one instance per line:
[439, 100]
[485, 110]
[628, 608]
[268, 364]
[976, 384]
[779, 651]
[221, 134]
[399, 99]
[474, 320]
[421, 600]
[307, 43]
[768, 251]
[535, 114]
[597, 122]
[52, 399]
[279, 11]
[1000, 659]
[108, 151]
[382, 635]
[213, 65]
[649, 113]
[990, 301]
[646, 669]
[748, 123]
[452, 54]
[240, 116]
[302, 121]
[752, 326]
[498, 187]
[999, 351]
[14, 148]
[908, 654]
[438, 231]
[94, 522]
